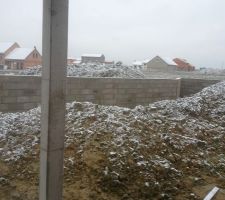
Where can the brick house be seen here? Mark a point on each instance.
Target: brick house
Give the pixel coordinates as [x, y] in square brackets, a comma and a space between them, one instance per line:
[183, 65]
[93, 58]
[21, 58]
[5, 49]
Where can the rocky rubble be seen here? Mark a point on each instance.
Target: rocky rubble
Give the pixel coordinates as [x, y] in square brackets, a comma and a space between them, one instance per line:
[93, 70]
[167, 150]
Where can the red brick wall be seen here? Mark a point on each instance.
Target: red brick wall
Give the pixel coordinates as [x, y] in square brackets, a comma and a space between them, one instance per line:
[14, 64]
[33, 59]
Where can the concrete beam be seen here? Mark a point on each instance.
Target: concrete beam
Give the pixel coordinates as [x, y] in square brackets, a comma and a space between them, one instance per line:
[55, 36]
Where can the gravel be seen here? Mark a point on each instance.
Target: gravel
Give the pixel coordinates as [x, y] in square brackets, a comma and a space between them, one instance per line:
[93, 70]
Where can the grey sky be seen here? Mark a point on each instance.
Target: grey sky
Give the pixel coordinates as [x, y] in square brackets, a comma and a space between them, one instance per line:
[128, 30]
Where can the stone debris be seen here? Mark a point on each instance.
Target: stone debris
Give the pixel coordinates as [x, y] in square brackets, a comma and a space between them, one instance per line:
[93, 70]
[161, 151]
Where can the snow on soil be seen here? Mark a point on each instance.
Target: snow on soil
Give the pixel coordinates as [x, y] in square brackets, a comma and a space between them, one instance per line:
[93, 70]
[149, 152]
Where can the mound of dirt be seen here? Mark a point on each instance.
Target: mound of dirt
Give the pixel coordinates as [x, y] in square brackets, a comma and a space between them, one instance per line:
[167, 150]
[93, 70]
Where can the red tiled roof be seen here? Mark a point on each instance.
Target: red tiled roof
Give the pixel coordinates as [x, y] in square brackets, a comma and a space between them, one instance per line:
[183, 64]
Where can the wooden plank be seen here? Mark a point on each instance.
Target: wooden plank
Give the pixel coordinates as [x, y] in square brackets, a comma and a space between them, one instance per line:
[212, 193]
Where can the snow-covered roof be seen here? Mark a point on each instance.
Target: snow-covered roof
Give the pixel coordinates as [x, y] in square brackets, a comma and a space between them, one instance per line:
[139, 63]
[146, 61]
[4, 46]
[168, 60]
[20, 53]
[92, 55]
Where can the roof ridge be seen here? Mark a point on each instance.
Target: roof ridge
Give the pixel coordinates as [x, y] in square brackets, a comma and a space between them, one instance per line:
[20, 53]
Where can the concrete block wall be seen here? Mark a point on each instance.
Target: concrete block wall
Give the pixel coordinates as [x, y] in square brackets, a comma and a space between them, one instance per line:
[192, 86]
[20, 93]
[121, 92]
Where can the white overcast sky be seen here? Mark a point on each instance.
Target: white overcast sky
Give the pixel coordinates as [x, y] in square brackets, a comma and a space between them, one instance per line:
[128, 30]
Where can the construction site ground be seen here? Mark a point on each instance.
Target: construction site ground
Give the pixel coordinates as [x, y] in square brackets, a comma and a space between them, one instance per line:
[172, 149]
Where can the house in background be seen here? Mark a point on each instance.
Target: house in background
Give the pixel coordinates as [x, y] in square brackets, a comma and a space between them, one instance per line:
[142, 63]
[161, 64]
[93, 58]
[183, 65]
[71, 61]
[21, 58]
[5, 49]
[166, 64]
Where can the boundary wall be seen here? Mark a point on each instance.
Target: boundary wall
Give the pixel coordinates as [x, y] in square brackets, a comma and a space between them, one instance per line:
[21, 93]
[193, 86]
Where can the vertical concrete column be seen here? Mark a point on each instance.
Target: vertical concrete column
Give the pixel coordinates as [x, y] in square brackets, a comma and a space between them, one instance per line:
[178, 87]
[55, 36]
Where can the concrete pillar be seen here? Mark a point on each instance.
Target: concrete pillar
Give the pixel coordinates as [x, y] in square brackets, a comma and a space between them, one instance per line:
[178, 87]
[55, 36]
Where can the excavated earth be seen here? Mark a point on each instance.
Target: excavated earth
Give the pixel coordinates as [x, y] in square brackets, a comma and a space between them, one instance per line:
[167, 150]
[93, 70]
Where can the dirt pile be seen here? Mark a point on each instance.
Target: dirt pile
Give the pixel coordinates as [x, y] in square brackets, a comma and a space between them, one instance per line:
[93, 70]
[167, 150]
